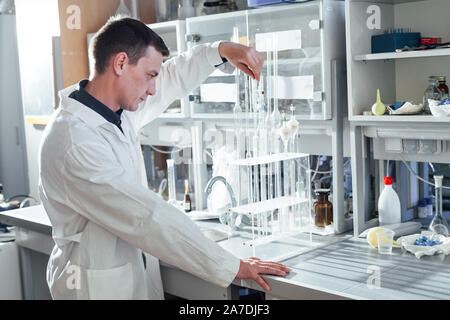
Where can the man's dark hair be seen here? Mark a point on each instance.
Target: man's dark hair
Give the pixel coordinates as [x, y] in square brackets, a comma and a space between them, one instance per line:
[122, 34]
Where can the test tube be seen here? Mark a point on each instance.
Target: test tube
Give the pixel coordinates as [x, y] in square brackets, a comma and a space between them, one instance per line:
[268, 124]
[171, 181]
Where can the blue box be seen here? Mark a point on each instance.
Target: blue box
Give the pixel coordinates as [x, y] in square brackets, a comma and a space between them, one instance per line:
[391, 41]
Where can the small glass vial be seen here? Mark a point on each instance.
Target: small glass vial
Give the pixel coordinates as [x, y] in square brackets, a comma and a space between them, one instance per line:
[422, 211]
[442, 87]
[187, 197]
[323, 209]
[432, 92]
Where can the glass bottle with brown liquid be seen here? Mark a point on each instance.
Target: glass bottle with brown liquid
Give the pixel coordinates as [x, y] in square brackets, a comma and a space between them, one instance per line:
[187, 197]
[442, 87]
[323, 209]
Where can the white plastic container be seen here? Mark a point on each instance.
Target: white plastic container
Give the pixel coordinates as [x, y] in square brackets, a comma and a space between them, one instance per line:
[389, 210]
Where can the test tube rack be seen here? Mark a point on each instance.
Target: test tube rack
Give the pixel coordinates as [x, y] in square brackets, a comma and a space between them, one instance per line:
[283, 210]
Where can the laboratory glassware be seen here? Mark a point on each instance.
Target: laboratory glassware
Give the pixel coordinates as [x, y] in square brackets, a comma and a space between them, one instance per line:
[123, 10]
[293, 127]
[442, 87]
[385, 240]
[185, 9]
[187, 197]
[285, 132]
[439, 224]
[432, 92]
[323, 209]
[171, 181]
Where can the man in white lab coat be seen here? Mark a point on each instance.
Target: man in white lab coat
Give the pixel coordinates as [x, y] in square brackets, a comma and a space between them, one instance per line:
[92, 177]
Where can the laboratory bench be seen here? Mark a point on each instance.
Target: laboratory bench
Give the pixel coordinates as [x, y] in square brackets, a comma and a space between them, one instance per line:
[344, 267]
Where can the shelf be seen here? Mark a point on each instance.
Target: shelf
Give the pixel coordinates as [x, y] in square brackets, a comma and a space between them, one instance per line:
[403, 118]
[267, 205]
[389, 1]
[403, 55]
[268, 159]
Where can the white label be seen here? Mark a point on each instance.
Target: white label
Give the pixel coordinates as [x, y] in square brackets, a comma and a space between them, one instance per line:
[299, 87]
[218, 92]
[284, 40]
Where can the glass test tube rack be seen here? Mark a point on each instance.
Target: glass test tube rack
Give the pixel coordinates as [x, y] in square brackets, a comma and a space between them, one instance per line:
[279, 201]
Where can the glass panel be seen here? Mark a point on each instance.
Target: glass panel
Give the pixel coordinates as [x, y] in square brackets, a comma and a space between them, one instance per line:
[37, 22]
[169, 34]
[211, 29]
[294, 31]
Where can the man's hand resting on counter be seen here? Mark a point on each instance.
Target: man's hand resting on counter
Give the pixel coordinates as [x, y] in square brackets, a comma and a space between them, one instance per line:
[251, 268]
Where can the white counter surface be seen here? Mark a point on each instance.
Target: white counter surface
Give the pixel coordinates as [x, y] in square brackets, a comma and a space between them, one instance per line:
[345, 269]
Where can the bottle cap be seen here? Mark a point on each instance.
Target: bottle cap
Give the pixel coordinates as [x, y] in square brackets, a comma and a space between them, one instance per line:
[440, 78]
[322, 191]
[422, 203]
[387, 181]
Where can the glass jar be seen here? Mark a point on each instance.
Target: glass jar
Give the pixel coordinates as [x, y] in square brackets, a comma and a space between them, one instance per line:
[432, 92]
[442, 87]
[323, 209]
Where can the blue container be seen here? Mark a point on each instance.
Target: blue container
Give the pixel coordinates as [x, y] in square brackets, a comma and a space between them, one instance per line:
[257, 3]
[392, 41]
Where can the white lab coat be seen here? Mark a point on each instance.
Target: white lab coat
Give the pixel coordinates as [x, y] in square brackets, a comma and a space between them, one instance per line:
[94, 189]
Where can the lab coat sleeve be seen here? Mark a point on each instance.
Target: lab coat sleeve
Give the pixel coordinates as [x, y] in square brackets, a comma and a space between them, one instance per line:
[179, 76]
[102, 191]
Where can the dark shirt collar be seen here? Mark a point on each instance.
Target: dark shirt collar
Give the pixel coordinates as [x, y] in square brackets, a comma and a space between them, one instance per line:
[81, 95]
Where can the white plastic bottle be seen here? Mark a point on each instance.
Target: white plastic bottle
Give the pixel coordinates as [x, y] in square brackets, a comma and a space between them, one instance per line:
[389, 210]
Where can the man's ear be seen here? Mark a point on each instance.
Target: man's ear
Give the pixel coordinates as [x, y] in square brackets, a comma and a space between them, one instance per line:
[119, 61]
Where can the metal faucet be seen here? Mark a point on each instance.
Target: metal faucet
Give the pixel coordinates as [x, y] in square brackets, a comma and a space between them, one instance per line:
[225, 182]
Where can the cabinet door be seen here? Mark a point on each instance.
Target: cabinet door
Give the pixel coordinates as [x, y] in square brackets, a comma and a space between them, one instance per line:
[173, 33]
[13, 167]
[294, 32]
[216, 97]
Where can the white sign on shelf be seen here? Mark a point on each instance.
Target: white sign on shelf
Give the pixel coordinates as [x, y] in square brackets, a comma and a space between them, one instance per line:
[299, 87]
[286, 40]
[218, 92]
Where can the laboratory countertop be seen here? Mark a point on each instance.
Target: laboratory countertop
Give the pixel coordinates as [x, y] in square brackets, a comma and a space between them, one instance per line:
[346, 268]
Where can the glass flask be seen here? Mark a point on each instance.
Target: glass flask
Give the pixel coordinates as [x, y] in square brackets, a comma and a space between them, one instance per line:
[323, 209]
[439, 224]
[432, 92]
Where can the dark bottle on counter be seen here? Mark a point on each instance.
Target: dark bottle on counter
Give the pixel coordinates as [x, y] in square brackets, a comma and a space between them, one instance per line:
[187, 197]
[323, 209]
[442, 87]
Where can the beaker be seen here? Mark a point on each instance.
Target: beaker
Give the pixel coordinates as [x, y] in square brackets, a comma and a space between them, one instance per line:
[385, 240]
[439, 224]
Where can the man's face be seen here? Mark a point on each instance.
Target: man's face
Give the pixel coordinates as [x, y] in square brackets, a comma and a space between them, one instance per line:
[139, 80]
